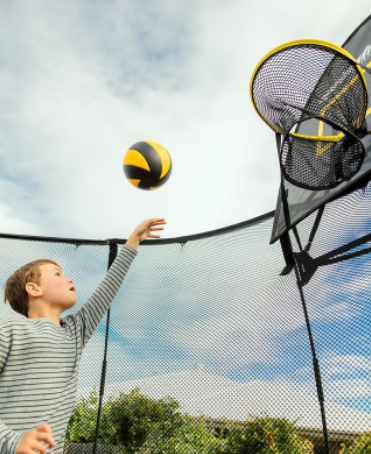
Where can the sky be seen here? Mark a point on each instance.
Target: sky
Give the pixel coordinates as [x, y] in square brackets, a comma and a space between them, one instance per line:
[221, 302]
[81, 82]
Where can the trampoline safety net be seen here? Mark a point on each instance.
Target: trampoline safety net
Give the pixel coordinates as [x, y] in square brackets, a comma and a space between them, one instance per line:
[208, 348]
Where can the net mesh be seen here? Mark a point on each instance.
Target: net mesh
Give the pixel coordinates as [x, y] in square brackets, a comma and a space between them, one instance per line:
[208, 345]
[320, 164]
[306, 81]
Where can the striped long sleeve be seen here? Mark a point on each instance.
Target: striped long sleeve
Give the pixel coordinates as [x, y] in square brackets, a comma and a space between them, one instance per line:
[39, 362]
[10, 437]
[92, 312]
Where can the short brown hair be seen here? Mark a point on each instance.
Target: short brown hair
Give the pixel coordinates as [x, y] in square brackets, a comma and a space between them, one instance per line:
[15, 287]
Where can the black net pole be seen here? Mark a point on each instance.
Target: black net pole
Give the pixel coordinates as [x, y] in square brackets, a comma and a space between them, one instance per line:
[316, 368]
[113, 249]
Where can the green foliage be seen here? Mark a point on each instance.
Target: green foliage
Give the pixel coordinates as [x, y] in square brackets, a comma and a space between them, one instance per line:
[138, 424]
[81, 427]
[265, 435]
[141, 422]
[195, 436]
[361, 445]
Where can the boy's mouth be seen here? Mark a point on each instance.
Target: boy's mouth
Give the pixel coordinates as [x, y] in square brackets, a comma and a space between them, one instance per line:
[72, 289]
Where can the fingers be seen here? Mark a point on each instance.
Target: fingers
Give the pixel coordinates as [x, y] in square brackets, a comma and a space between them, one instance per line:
[155, 224]
[27, 451]
[145, 230]
[155, 221]
[36, 440]
[154, 229]
[35, 446]
[44, 433]
[46, 438]
[44, 428]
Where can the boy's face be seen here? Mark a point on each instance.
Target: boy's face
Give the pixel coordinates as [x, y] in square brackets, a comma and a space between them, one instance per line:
[57, 289]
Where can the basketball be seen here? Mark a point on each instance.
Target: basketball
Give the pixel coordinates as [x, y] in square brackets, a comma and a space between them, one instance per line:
[147, 165]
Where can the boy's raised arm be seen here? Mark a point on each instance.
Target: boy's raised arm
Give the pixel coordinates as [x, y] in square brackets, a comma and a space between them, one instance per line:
[92, 312]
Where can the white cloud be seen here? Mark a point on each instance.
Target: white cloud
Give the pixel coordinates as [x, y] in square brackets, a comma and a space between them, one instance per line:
[92, 362]
[82, 83]
[341, 390]
[346, 364]
[207, 298]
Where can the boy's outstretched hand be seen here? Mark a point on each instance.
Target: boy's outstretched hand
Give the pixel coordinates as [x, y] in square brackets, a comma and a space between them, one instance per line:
[145, 230]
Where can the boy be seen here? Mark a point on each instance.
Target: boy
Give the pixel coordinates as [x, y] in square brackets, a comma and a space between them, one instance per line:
[40, 352]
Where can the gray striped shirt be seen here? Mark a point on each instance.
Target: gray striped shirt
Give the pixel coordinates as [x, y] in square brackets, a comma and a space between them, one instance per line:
[39, 362]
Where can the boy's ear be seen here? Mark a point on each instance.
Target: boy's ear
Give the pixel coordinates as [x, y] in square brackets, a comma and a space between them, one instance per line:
[33, 289]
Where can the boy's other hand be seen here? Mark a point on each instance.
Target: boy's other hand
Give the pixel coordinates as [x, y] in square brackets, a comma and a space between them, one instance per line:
[31, 440]
[145, 230]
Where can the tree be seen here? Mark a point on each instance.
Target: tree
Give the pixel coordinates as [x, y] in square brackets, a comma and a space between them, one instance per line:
[137, 424]
[265, 435]
[142, 423]
[361, 445]
[81, 427]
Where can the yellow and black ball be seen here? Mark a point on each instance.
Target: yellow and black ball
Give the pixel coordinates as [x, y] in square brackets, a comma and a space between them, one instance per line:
[147, 165]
